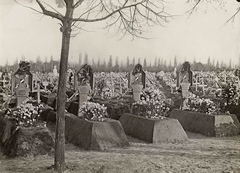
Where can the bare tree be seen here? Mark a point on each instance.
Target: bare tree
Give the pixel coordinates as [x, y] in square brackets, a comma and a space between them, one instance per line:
[126, 16]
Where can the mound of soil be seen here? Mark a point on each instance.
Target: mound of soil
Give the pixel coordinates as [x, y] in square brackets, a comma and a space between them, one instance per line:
[93, 134]
[153, 130]
[29, 141]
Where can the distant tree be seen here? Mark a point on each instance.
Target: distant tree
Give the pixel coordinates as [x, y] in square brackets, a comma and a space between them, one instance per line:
[117, 62]
[209, 62]
[80, 59]
[139, 61]
[133, 61]
[104, 66]
[51, 64]
[230, 63]
[86, 58]
[155, 62]
[159, 63]
[23, 58]
[121, 66]
[170, 63]
[194, 60]
[39, 64]
[93, 63]
[128, 62]
[175, 61]
[110, 63]
[116, 67]
[217, 65]
[98, 64]
[145, 63]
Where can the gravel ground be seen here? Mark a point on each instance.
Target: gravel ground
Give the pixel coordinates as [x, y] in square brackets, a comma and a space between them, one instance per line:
[200, 154]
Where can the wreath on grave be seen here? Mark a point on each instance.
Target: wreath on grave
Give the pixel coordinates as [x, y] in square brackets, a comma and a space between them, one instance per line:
[24, 68]
[84, 74]
[137, 69]
[137, 72]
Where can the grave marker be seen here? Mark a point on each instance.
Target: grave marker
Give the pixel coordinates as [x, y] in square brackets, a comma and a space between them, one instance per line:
[139, 81]
[184, 81]
[22, 93]
[22, 74]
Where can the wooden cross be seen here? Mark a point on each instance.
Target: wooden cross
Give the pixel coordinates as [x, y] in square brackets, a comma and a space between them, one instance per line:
[38, 90]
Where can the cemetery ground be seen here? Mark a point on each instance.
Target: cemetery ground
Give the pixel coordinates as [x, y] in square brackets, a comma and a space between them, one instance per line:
[198, 154]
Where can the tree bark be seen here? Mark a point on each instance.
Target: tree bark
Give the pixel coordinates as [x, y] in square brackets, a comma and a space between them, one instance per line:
[59, 159]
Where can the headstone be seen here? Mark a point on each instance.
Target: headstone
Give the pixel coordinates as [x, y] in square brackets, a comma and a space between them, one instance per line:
[22, 75]
[22, 92]
[137, 75]
[55, 73]
[184, 81]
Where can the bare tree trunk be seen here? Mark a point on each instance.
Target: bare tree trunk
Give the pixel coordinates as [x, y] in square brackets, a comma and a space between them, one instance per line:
[59, 160]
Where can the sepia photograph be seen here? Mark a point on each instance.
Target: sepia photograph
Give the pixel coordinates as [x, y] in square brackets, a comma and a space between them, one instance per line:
[120, 86]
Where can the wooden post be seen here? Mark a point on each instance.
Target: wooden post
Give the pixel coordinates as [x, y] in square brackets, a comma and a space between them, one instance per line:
[38, 94]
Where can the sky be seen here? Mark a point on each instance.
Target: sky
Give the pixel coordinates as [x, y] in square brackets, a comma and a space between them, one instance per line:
[206, 33]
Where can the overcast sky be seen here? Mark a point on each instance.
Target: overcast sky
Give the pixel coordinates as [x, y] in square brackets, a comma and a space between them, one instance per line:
[204, 34]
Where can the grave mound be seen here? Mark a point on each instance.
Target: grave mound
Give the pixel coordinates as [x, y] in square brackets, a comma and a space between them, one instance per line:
[6, 130]
[209, 125]
[29, 142]
[94, 135]
[153, 130]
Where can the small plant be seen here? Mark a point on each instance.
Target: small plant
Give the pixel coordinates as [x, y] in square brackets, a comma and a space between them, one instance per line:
[93, 111]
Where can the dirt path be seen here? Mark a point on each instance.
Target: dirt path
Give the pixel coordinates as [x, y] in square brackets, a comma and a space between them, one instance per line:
[199, 155]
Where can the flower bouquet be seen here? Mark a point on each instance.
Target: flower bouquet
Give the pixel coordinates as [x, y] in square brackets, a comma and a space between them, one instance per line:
[202, 105]
[151, 93]
[93, 111]
[26, 115]
[151, 109]
[231, 94]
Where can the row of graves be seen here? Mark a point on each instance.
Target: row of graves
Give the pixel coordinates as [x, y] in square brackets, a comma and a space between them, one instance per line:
[204, 83]
[103, 108]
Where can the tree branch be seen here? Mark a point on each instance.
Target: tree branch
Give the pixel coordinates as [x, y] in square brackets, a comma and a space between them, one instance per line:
[50, 13]
[78, 3]
[194, 7]
[109, 15]
[233, 16]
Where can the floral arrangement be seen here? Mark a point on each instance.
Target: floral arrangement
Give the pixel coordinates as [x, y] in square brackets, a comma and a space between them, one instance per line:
[93, 111]
[151, 109]
[26, 115]
[203, 105]
[231, 94]
[151, 93]
[107, 94]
